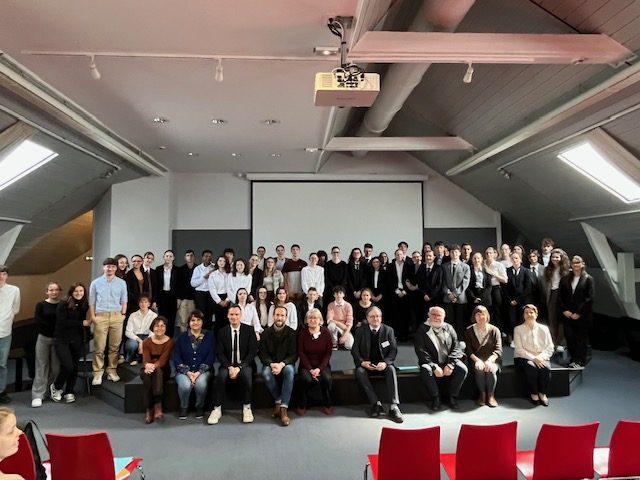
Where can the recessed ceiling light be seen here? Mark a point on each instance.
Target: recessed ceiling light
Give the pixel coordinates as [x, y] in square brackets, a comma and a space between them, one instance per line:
[325, 51]
[192, 154]
[311, 149]
[236, 154]
[271, 121]
[162, 147]
[160, 120]
[218, 121]
[274, 155]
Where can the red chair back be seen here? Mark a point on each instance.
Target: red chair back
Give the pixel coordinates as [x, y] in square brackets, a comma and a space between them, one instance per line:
[409, 454]
[565, 452]
[81, 457]
[624, 460]
[487, 452]
[21, 462]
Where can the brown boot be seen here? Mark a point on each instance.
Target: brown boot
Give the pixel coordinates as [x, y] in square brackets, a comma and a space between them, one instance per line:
[284, 417]
[157, 412]
[491, 401]
[276, 411]
[148, 416]
[482, 399]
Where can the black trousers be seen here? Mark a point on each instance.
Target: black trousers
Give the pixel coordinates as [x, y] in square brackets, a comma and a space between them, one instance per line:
[69, 354]
[204, 303]
[153, 386]
[456, 316]
[220, 314]
[307, 382]
[577, 334]
[538, 379]
[496, 307]
[455, 380]
[389, 373]
[167, 307]
[245, 377]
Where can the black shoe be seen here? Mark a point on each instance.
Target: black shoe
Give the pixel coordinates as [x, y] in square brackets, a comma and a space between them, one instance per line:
[434, 404]
[376, 410]
[395, 414]
[453, 403]
[183, 414]
[199, 413]
[4, 398]
[545, 402]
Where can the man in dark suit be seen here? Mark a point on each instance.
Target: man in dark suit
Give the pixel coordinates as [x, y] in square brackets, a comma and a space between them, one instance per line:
[150, 274]
[536, 271]
[236, 350]
[439, 356]
[430, 283]
[167, 285]
[518, 290]
[374, 351]
[398, 273]
[456, 281]
[310, 303]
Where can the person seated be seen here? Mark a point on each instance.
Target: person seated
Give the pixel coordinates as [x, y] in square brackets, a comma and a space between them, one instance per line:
[533, 350]
[313, 301]
[340, 319]
[282, 300]
[439, 356]
[193, 357]
[361, 307]
[156, 351]
[9, 439]
[236, 348]
[262, 305]
[278, 356]
[249, 313]
[484, 353]
[374, 351]
[314, 349]
[138, 328]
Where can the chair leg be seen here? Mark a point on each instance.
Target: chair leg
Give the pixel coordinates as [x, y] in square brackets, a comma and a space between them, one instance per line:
[366, 471]
[141, 472]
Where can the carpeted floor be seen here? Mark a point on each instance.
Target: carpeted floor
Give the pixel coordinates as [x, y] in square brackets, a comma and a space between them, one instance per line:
[318, 447]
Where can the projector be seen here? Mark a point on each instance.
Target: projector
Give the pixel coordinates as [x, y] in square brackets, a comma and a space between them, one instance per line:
[344, 88]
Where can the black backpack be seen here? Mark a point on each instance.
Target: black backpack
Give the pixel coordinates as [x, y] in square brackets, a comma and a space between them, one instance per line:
[35, 438]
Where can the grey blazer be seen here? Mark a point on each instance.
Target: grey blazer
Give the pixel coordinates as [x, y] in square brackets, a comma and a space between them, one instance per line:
[456, 282]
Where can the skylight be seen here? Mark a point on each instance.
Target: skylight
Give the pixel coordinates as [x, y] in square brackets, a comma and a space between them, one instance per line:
[23, 160]
[605, 162]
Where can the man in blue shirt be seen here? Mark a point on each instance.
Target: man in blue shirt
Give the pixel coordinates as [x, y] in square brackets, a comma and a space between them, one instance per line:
[107, 309]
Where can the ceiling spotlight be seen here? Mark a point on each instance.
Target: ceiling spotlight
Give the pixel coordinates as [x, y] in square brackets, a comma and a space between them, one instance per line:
[468, 75]
[219, 76]
[95, 73]
[236, 154]
[311, 149]
[507, 175]
[325, 51]
[218, 121]
[162, 147]
[271, 121]
[192, 154]
[274, 155]
[160, 120]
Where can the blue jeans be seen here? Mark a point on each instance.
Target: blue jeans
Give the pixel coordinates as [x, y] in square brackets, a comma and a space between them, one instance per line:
[185, 386]
[280, 395]
[5, 348]
[131, 348]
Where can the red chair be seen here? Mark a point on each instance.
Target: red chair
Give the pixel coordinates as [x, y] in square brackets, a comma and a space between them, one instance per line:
[406, 455]
[21, 462]
[88, 457]
[620, 459]
[484, 452]
[563, 452]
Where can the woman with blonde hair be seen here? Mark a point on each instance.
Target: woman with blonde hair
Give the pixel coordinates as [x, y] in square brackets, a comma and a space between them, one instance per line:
[9, 439]
[557, 268]
[484, 352]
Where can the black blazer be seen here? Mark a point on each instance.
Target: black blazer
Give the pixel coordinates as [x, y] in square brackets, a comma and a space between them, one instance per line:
[382, 281]
[356, 279]
[361, 350]
[426, 351]
[173, 281]
[392, 276]
[248, 346]
[303, 308]
[473, 293]
[430, 283]
[579, 301]
[256, 281]
[134, 291]
[518, 287]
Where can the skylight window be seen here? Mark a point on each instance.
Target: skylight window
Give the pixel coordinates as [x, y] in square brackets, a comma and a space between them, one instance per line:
[605, 162]
[23, 160]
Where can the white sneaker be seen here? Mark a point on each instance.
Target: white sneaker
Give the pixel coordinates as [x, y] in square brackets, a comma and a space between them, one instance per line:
[247, 415]
[36, 402]
[114, 377]
[133, 363]
[69, 398]
[56, 395]
[214, 418]
[97, 379]
[559, 349]
[121, 359]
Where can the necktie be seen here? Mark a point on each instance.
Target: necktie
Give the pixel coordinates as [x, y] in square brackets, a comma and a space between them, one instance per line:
[235, 348]
[428, 269]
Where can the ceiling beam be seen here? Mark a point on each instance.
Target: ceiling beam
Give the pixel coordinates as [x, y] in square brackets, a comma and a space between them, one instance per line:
[392, 144]
[524, 48]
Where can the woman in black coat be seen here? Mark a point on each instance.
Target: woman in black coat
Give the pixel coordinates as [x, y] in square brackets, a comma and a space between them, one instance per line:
[576, 305]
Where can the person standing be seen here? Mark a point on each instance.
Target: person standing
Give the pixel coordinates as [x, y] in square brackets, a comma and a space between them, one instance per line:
[184, 291]
[292, 271]
[107, 309]
[200, 281]
[9, 308]
[456, 281]
[167, 279]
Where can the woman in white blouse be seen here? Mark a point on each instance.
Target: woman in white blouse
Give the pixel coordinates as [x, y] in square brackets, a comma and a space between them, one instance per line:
[237, 279]
[282, 300]
[218, 291]
[249, 314]
[533, 350]
[313, 276]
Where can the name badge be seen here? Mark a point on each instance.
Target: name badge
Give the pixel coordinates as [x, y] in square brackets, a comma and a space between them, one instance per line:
[385, 344]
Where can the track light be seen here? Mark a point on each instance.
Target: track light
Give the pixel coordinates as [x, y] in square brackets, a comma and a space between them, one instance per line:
[95, 73]
[219, 76]
[468, 75]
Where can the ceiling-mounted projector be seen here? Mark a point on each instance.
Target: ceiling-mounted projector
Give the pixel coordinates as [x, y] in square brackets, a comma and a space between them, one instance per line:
[348, 86]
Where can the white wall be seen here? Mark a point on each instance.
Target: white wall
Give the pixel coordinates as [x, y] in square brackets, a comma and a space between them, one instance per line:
[101, 233]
